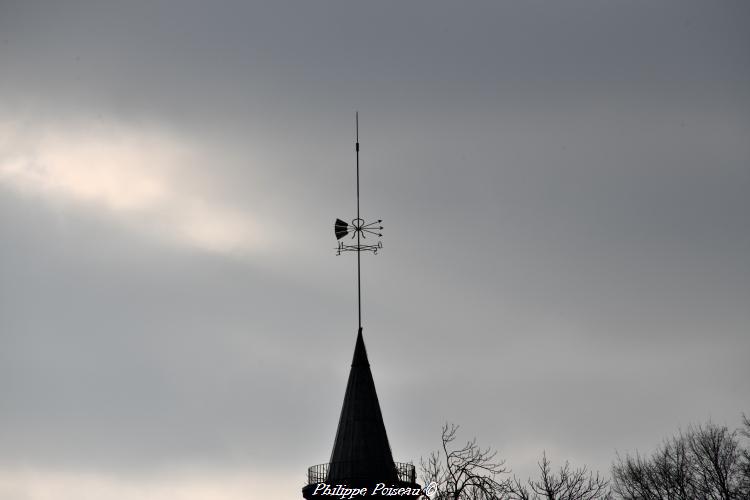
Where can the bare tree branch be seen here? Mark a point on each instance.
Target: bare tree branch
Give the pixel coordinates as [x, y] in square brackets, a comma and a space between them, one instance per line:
[463, 473]
[566, 484]
[706, 462]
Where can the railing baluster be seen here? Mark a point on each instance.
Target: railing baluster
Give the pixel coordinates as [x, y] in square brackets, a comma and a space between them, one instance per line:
[319, 473]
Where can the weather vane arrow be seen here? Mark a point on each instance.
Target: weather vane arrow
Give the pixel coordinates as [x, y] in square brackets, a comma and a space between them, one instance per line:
[358, 229]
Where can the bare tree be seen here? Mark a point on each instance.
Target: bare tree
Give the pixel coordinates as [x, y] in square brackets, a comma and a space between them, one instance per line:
[567, 484]
[745, 461]
[717, 453]
[706, 462]
[463, 473]
[667, 475]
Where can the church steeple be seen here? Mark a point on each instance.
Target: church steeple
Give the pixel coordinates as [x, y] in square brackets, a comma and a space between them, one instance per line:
[361, 456]
[361, 448]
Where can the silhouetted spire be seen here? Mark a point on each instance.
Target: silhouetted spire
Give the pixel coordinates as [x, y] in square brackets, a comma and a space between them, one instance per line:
[361, 455]
[361, 449]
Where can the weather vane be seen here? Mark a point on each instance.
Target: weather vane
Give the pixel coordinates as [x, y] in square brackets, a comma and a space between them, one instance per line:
[359, 229]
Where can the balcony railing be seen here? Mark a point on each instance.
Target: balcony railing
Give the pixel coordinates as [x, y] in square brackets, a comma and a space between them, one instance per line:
[319, 473]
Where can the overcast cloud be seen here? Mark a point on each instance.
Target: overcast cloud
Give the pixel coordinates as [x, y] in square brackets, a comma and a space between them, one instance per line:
[565, 189]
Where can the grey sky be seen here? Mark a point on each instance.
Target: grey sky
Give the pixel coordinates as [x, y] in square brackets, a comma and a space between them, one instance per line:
[565, 188]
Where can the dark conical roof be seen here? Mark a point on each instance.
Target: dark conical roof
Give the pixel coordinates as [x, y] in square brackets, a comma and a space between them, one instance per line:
[361, 449]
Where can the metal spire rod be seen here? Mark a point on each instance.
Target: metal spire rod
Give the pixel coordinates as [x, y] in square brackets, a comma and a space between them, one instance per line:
[359, 246]
[359, 228]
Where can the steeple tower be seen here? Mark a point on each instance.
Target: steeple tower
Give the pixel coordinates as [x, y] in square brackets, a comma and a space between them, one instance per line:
[361, 456]
[361, 447]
